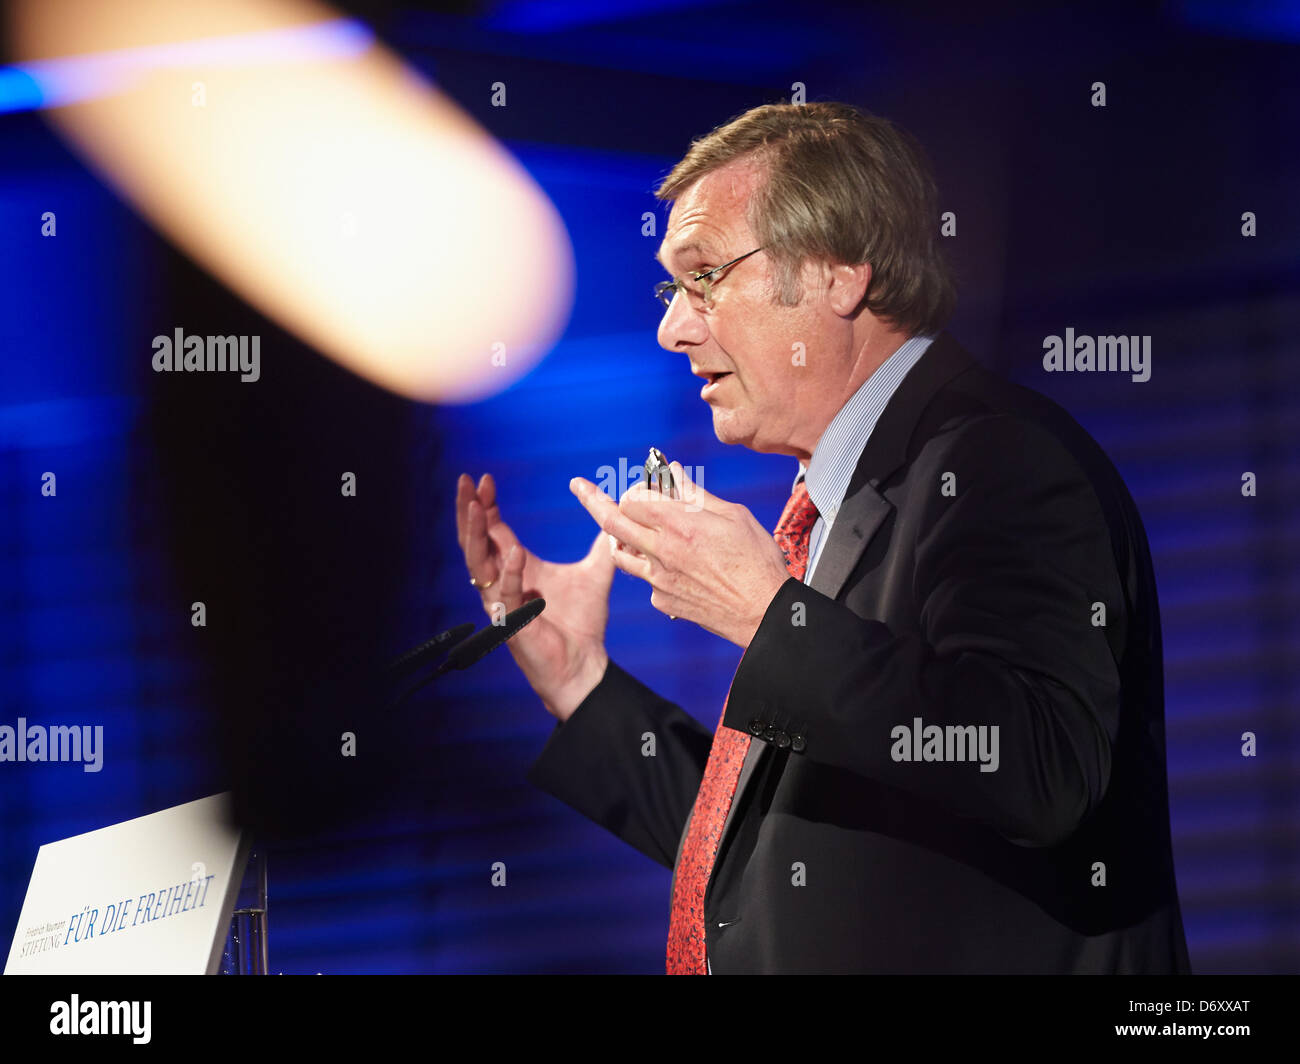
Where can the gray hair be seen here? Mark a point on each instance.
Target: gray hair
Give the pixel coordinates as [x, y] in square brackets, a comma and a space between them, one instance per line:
[843, 186]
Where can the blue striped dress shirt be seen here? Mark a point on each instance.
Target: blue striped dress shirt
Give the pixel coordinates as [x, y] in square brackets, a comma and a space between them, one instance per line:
[836, 454]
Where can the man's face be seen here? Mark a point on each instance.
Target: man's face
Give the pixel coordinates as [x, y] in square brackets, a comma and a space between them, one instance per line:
[773, 389]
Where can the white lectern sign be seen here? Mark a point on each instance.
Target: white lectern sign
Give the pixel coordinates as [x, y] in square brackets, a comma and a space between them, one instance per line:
[148, 896]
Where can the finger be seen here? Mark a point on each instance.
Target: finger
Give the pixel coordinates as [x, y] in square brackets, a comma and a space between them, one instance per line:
[605, 512]
[509, 587]
[694, 494]
[634, 565]
[656, 511]
[503, 538]
[615, 547]
[600, 560]
[666, 604]
[643, 492]
[487, 495]
[649, 507]
[478, 548]
[464, 493]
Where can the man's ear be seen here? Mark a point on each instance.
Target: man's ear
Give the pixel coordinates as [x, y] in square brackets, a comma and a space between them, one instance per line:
[848, 286]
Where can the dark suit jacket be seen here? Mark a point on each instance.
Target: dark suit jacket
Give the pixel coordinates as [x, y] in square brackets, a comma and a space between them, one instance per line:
[958, 585]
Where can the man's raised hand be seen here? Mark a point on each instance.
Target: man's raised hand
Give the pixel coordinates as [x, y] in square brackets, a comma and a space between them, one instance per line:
[562, 652]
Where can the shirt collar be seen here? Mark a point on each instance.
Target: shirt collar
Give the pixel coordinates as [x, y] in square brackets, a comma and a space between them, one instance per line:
[837, 452]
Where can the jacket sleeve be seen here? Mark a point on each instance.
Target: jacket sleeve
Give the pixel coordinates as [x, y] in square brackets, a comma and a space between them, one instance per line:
[601, 763]
[1011, 552]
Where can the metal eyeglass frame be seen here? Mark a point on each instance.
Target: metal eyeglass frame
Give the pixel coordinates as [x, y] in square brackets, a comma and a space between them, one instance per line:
[664, 288]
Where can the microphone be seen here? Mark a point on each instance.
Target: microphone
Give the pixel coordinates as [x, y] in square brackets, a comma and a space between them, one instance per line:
[413, 659]
[483, 642]
[479, 645]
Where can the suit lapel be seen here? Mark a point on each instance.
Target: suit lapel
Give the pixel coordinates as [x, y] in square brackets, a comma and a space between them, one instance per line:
[864, 509]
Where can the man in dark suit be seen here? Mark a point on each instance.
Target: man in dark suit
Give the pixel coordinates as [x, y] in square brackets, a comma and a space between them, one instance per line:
[943, 748]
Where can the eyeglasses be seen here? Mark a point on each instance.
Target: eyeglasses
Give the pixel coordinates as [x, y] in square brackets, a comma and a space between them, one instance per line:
[696, 285]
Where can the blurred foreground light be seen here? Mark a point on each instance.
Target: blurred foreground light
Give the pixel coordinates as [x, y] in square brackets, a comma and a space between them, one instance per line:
[317, 176]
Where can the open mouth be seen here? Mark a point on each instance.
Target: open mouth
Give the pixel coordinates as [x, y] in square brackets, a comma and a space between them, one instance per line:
[715, 379]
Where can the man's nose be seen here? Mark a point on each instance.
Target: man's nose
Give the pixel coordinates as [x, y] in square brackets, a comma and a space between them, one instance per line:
[681, 324]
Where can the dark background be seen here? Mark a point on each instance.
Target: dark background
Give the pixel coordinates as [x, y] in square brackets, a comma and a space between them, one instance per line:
[1117, 220]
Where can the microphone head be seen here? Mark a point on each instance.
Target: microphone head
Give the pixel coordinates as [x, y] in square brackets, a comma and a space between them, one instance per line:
[486, 640]
[413, 659]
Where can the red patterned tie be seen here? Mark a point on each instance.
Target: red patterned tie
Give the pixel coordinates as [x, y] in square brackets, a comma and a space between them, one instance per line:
[727, 755]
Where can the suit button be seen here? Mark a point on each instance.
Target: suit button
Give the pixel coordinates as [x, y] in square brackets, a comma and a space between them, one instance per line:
[782, 740]
[798, 743]
[755, 727]
[769, 736]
